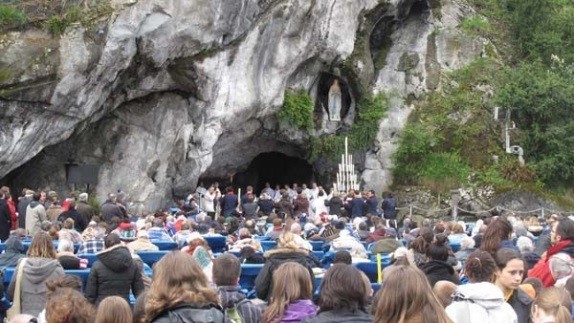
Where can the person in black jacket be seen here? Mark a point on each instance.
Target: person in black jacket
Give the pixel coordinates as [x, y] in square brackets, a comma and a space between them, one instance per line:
[389, 207]
[180, 292]
[115, 273]
[5, 219]
[287, 250]
[80, 222]
[437, 268]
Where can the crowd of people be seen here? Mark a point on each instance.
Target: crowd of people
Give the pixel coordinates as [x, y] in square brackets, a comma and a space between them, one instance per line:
[502, 268]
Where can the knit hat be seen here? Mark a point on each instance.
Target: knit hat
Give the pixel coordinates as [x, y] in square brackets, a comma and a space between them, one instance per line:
[127, 232]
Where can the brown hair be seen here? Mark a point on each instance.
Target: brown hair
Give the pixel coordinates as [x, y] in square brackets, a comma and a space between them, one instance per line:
[114, 309]
[498, 230]
[68, 305]
[291, 282]
[480, 267]
[177, 279]
[226, 270]
[406, 296]
[68, 223]
[66, 281]
[343, 288]
[551, 301]
[42, 246]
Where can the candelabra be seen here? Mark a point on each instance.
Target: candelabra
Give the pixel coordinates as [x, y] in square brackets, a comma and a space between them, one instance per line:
[346, 177]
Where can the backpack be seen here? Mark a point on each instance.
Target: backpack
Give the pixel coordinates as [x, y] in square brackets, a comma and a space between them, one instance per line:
[232, 313]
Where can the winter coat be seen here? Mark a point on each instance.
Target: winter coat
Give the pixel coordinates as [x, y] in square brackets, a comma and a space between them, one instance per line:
[335, 205]
[386, 245]
[80, 223]
[5, 220]
[342, 315]
[33, 283]
[284, 206]
[22, 207]
[521, 303]
[372, 203]
[86, 210]
[356, 206]
[189, 313]
[110, 210]
[115, 273]
[231, 296]
[274, 258]
[69, 261]
[265, 206]
[249, 210]
[228, 204]
[13, 253]
[437, 270]
[480, 303]
[35, 215]
[389, 207]
[299, 310]
[542, 269]
[301, 204]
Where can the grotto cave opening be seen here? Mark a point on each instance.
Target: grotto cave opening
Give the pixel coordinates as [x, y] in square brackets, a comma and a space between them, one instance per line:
[274, 168]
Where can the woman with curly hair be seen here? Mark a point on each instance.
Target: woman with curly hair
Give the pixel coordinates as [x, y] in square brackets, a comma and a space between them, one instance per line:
[69, 305]
[180, 292]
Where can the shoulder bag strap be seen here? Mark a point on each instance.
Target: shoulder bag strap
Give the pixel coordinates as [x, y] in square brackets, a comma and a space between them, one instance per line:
[16, 301]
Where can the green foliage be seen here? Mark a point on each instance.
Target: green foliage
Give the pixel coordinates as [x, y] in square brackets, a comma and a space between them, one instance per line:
[57, 24]
[11, 16]
[476, 26]
[370, 112]
[450, 135]
[297, 110]
[93, 202]
[542, 103]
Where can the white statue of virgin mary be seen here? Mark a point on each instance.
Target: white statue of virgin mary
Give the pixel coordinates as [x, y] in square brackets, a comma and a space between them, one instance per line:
[335, 102]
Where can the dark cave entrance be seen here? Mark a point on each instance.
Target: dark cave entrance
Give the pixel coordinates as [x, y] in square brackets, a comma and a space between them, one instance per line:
[276, 169]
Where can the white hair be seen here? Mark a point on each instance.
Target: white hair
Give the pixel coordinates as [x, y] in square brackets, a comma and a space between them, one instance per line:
[65, 245]
[524, 244]
[467, 243]
[296, 228]
[561, 265]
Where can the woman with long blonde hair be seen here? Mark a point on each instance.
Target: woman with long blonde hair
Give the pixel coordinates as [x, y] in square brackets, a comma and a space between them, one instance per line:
[549, 306]
[408, 297]
[291, 295]
[114, 309]
[180, 291]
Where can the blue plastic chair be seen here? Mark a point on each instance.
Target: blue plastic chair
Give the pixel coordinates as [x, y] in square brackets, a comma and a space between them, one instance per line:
[375, 287]
[165, 245]
[318, 254]
[92, 258]
[455, 247]
[216, 243]
[248, 274]
[82, 273]
[369, 268]
[151, 257]
[268, 245]
[317, 245]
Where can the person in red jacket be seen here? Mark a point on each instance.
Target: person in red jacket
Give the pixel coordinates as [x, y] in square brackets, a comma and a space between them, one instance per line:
[11, 207]
[562, 240]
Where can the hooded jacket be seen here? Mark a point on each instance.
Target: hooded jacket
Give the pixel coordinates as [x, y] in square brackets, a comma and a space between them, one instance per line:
[436, 270]
[480, 303]
[114, 274]
[231, 296]
[35, 215]
[299, 310]
[341, 315]
[274, 258]
[542, 269]
[13, 253]
[33, 283]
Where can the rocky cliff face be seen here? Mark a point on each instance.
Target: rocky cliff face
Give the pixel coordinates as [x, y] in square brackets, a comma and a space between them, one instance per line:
[165, 92]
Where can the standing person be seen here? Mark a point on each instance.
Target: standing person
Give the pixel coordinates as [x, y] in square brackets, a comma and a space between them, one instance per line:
[291, 295]
[85, 209]
[508, 278]
[39, 266]
[209, 199]
[408, 298]
[372, 202]
[23, 206]
[110, 209]
[114, 273]
[11, 206]
[229, 202]
[35, 215]
[80, 222]
[180, 292]
[226, 272]
[562, 240]
[356, 205]
[343, 296]
[5, 218]
[335, 204]
[389, 207]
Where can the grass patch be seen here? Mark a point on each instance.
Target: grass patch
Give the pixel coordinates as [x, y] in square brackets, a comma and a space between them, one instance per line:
[11, 17]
